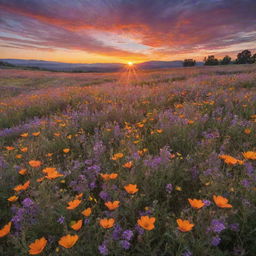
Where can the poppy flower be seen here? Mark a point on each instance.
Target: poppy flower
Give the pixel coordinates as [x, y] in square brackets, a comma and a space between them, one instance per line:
[146, 222]
[77, 225]
[107, 223]
[184, 225]
[79, 196]
[87, 212]
[66, 150]
[12, 199]
[131, 188]
[230, 160]
[19, 156]
[9, 148]
[128, 165]
[57, 134]
[195, 203]
[247, 131]
[112, 205]
[117, 156]
[73, 204]
[22, 187]
[251, 155]
[24, 135]
[36, 134]
[25, 149]
[35, 163]
[37, 246]
[40, 179]
[221, 202]
[110, 176]
[23, 171]
[68, 241]
[5, 230]
[51, 173]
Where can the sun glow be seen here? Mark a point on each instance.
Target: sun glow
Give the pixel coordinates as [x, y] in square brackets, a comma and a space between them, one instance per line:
[130, 63]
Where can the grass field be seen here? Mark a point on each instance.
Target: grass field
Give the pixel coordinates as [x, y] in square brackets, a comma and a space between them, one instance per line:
[113, 163]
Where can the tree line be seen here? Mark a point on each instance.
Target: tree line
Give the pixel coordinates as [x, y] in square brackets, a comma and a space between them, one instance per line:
[244, 57]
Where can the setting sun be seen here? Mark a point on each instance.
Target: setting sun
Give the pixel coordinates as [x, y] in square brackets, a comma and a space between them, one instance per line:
[130, 63]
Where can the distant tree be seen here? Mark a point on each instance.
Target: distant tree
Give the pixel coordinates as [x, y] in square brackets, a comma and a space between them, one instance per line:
[189, 63]
[226, 60]
[244, 57]
[254, 58]
[211, 61]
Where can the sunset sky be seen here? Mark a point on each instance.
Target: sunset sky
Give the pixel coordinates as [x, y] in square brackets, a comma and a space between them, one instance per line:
[89, 31]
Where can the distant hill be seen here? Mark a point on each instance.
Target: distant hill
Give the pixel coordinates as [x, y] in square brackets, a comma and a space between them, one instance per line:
[84, 67]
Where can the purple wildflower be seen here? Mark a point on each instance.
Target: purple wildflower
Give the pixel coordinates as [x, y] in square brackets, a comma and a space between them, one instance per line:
[103, 249]
[61, 219]
[207, 202]
[125, 244]
[27, 202]
[217, 226]
[215, 241]
[169, 188]
[127, 235]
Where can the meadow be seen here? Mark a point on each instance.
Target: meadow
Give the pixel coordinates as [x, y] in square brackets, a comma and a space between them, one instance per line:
[161, 165]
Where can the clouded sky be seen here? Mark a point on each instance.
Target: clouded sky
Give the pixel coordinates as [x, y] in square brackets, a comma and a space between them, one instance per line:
[88, 31]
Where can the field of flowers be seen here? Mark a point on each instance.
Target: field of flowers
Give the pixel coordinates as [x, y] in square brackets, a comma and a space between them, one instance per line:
[164, 165]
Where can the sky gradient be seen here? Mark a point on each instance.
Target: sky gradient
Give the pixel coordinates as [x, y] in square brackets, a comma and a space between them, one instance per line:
[90, 31]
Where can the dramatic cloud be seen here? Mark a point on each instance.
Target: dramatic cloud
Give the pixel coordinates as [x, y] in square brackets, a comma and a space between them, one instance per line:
[123, 29]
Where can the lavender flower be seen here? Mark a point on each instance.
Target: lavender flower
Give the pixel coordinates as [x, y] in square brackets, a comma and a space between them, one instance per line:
[61, 219]
[127, 235]
[125, 244]
[27, 202]
[217, 226]
[215, 241]
[169, 188]
[103, 249]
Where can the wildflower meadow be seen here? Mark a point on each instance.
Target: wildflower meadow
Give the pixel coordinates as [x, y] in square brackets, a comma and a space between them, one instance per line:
[161, 165]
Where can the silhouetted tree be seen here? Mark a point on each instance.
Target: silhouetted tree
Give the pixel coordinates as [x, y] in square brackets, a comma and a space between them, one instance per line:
[189, 63]
[226, 60]
[254, 58]
[211, 61]
[244, 57]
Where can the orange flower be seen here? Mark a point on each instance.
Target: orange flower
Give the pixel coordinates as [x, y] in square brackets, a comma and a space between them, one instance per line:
[73, 204]
[128, 165]
[22, 187]
[221, 201]
[24, 135]
[146, 222]
[35, 163]
[79, 196]
[87, 212]
[66, 150]
[131, 188]
[112, 205]
[76, 226]
[51, 173]
[38, 246]
[57, 134]
[5, 230]
[19, 156]
[184, 225]
[247, 131]
[230, 160]
[49, 154]
[40, 179]
[12, 199]
[110, 176]
[117, 156]
[68, 241]
[36, 134]
[195, 203]
[25, 149]
[9, 148]
[23, 171]
[250, 155]
[107, 223]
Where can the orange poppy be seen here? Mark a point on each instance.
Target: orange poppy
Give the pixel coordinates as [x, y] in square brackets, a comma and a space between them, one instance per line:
[51, 173]
[195, 203]
[77, 225]
[112, 205]
[25, 149]
[68, 241]
[9, 148]
[23, 171]
[73, 204]
[36, 134]
[37, 246]
[221, 202]
[19, 156]
[146, 222]
[79, 196]
[131, 188]
[35, 163]
[12, 199]
[184, 225]
[40, 179]
[24, 135]
[22, 187]
[247, 131]
[56, 134]
[110, 176]
[87, 212]
[66, 150]
[250, 155]
[128, 165]
[117, 156]
[230, 160]
[5, 230]
[107, 223]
